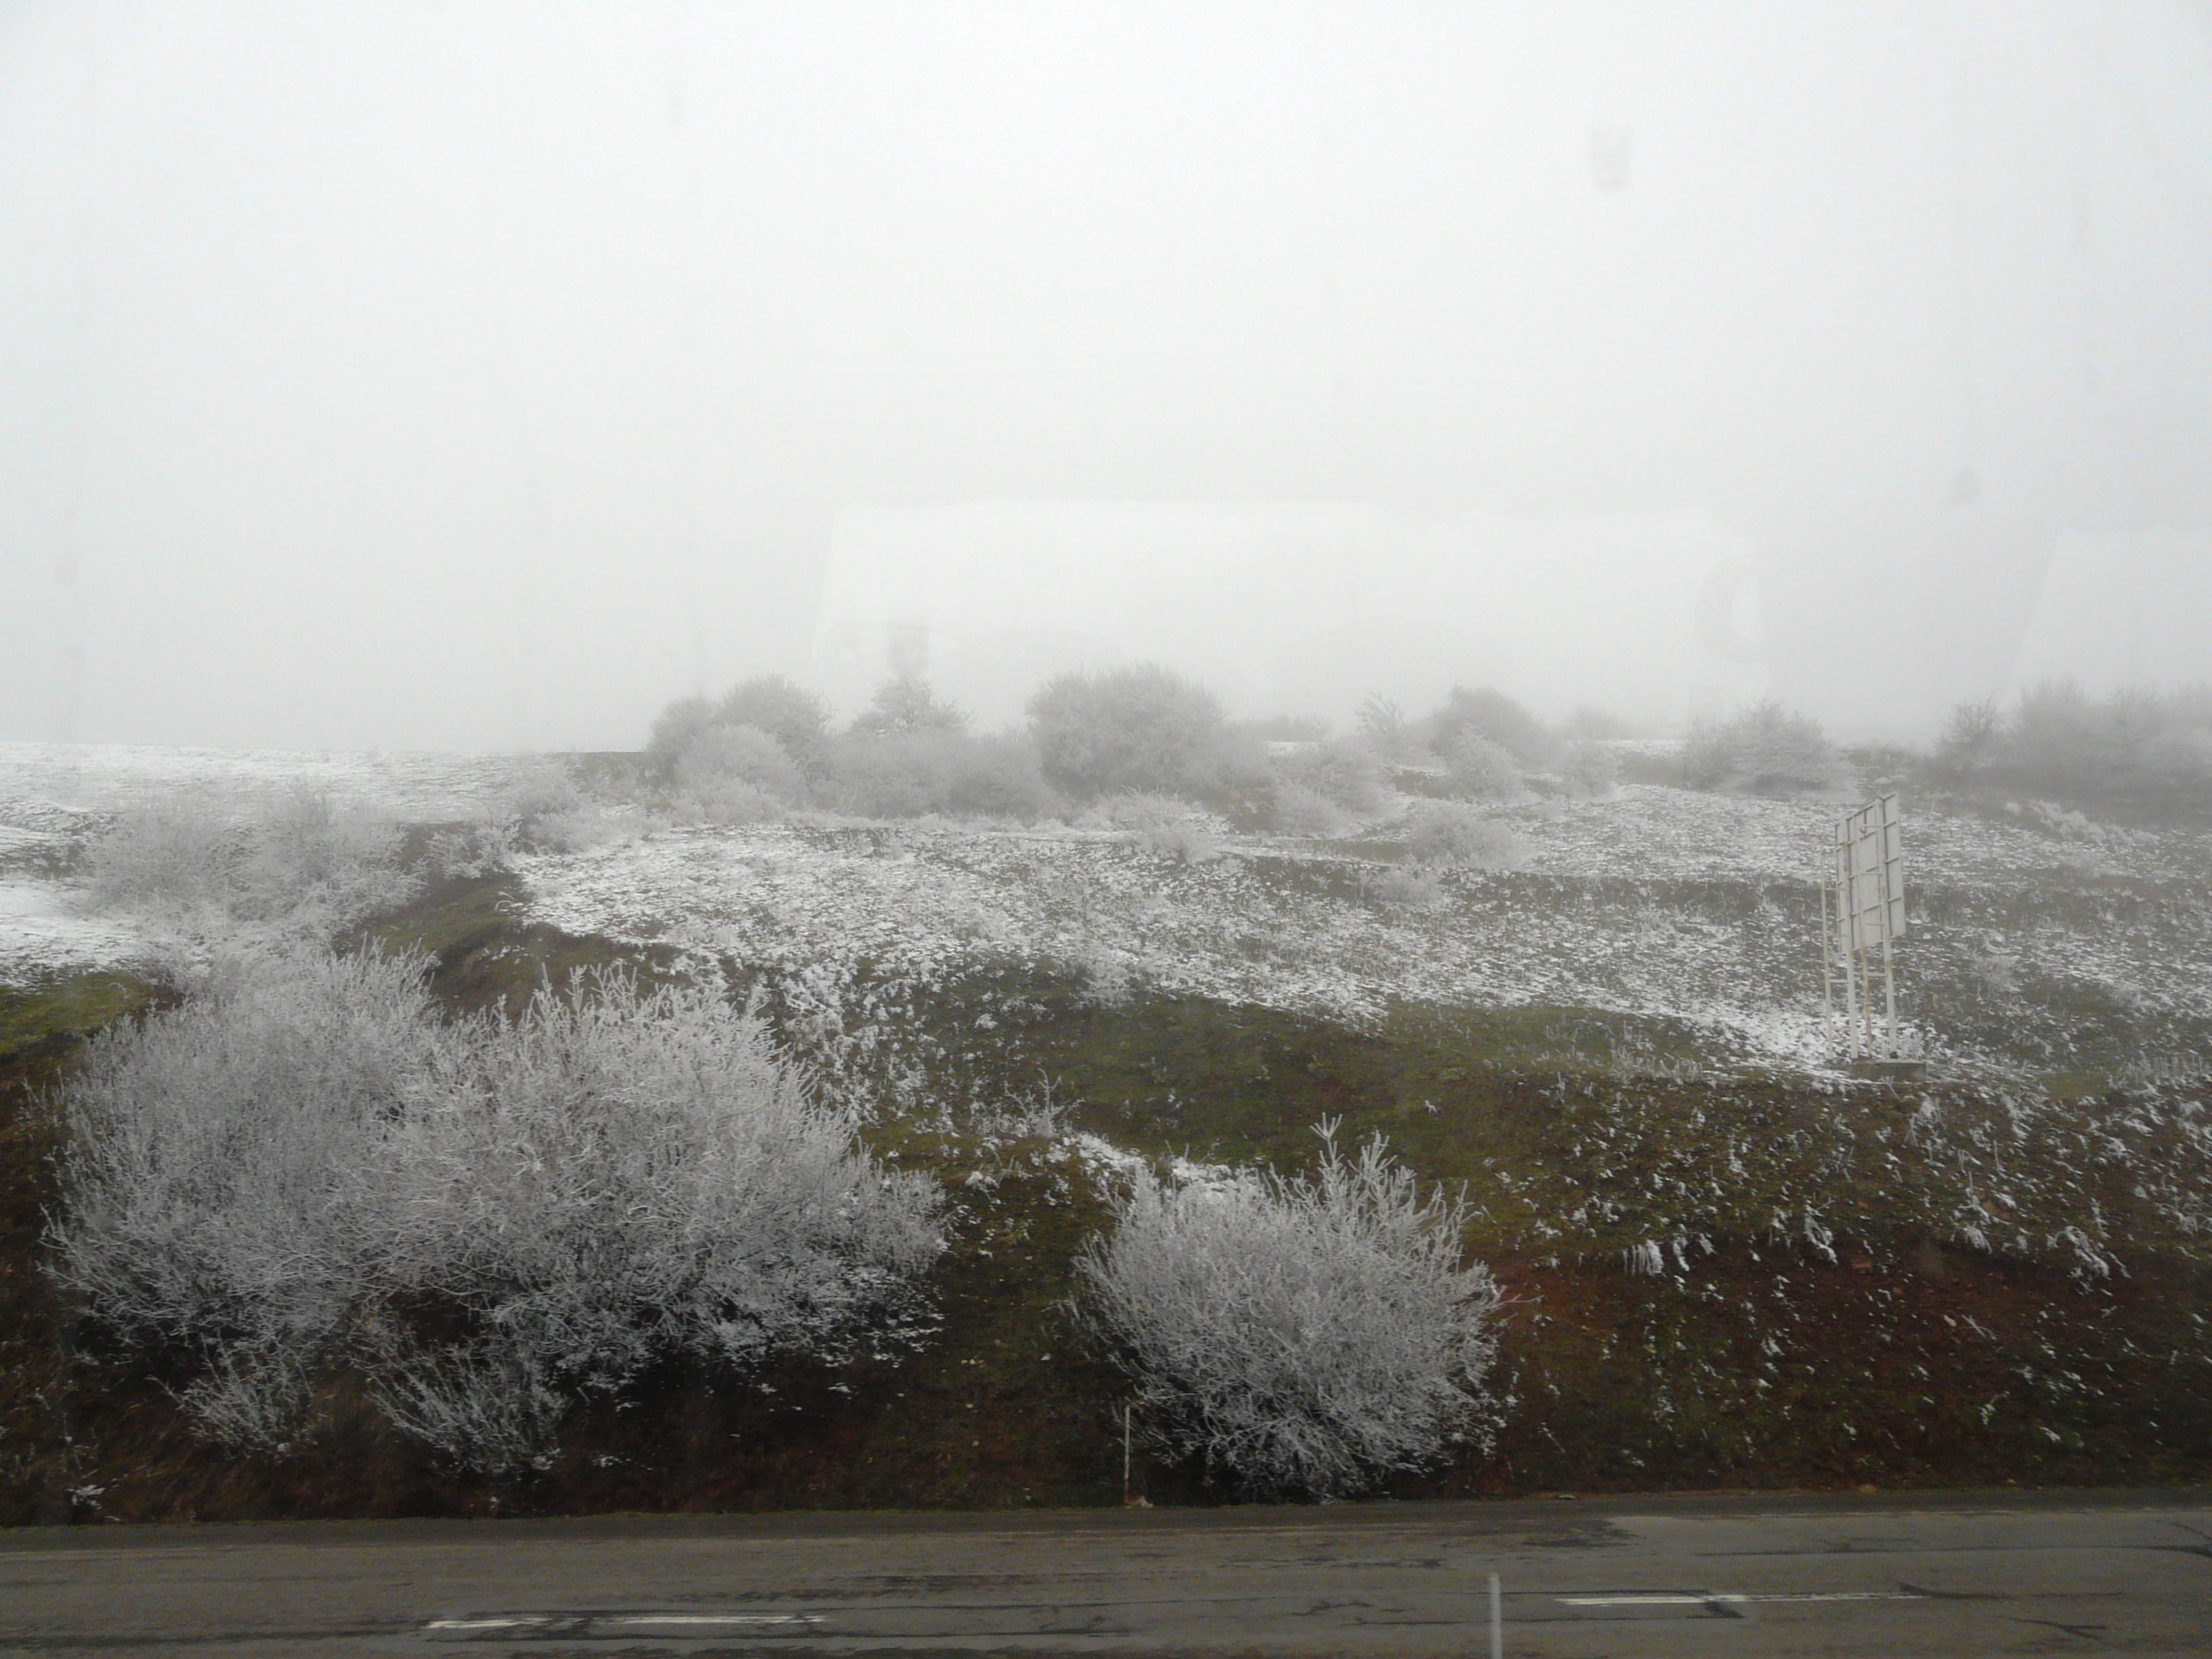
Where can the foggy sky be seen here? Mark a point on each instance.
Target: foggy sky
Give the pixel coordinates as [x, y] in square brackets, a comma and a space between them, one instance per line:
[416, 375]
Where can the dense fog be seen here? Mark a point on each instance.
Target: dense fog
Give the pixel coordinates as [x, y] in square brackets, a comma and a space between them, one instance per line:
[485, 377]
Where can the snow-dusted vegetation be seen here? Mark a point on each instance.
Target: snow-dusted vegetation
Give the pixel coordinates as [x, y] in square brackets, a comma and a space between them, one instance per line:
[285, 1176]
[1300, 1336]
[1541, 964]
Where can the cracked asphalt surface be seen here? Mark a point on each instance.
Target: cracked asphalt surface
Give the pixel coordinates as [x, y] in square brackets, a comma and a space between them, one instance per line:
[1888, 1574]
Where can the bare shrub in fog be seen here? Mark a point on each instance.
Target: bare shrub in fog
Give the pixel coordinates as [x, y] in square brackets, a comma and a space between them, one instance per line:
[1476, 768]
[267, 1180]
[942, 769]
[1446, 834]
[1489, 713]
[1139, 728]
[905, 704]
[220, 1169]
[299, 860]
[1300, 1336]
[1388, 732]
[1590, 768]
[1766, 750]
[1587, 723]
[2134, 748]
[1970, 739]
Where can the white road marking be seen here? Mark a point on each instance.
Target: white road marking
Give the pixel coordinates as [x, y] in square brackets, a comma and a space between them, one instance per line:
[717, 1619]
[479, 1624]
[1733, 1597]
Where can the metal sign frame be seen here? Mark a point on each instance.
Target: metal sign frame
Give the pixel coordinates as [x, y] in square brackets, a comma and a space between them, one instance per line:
[1862, 912]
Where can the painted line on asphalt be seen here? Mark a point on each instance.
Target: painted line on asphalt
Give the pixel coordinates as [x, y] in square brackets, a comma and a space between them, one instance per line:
[717, 1619]
[1733, 1597]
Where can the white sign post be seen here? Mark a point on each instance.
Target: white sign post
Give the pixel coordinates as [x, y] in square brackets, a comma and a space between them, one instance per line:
[1862, 911]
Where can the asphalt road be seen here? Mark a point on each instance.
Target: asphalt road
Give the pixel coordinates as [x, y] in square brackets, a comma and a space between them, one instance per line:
[1897, 1577]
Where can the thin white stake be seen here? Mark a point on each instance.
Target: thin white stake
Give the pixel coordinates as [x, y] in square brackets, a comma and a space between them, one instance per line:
[1497, 1622]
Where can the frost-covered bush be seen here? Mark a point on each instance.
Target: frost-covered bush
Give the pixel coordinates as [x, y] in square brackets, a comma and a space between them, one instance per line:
[1386, 731]
[1970, 741]
[280, 1176]
[794, 716]
[1476, 768]
[1489, 713]
[1445, 832]
[676, 726]
[1162, 823]
[731, 762]
[892, 775]
[1348, 774]
[220, 1184]
[629, 1176]
[2134, 748]
[1300, 1336]
[1413, 887]
[1590, 768]
[1766, 750]
[1299, 810]
[904, 704]
[300, 860]
[797, 719]
[1139, 728]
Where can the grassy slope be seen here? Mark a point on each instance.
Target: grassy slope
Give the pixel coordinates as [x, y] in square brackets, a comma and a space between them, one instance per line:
[1815, 1322]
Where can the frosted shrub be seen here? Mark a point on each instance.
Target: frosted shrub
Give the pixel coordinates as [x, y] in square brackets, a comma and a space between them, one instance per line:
[1300, 1336]
[797, 719]
[221, 1169]
[2134, 747]
[1386, 731]
[300, 861]
[1590, 768]
[486, 1408]
[794, 717]
[1161, 824]
[1299, 810]
[740, 774]
[1444, 833]
[171, 856]
[676, 726]
[1970, 739]
[1415, 887]
[1134, 728]
[275, 1178]
[908, 774]
[905, 704]
[1346, 775]
[1490, 715]
[632, 1176]
[1766, 750]
[1475, 768]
